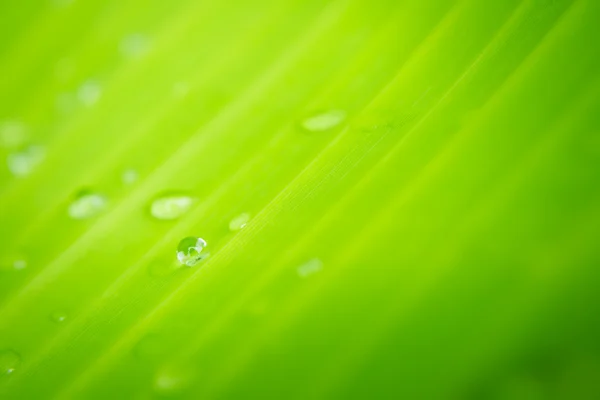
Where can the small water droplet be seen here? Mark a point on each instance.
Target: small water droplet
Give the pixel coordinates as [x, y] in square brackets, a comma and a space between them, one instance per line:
[129, 176]
[324, 121]
[310, 267]
[239, 222]
[189, 251]
[9, 361]
[172, 380]
[19, 264]
[58, 316]
[23, 162]
[89, 92]
[134, 45]
[87, 205]
[170, 207]
[12, 134]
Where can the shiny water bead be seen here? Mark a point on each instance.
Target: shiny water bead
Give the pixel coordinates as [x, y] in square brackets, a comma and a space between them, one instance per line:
[87, 205]
[189, 250]
[129, 176]
[22, 163]
[324, 121]
[9, 361]
[239, 222]
[89, 93]
[58, 316]
[310, 267]
[134, 45]
[170, 207]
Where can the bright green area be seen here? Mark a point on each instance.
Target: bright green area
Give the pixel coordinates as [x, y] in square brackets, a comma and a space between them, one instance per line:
[400, 199]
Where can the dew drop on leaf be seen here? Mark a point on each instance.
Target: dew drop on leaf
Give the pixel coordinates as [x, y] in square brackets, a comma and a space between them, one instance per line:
[9, 361]
[58, 316]
[134, 45]
[310, 267]
[239, 222]
[189, 251]
[170, 207]
[324, 121]
[22, 163]
[87, 205]
[129, 176]
[89, 93]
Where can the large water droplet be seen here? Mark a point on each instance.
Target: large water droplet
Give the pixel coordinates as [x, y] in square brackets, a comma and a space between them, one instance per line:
[87, 205]
[189, 251]
[134, 45]
[23, 162]
[324, 121]
[89, 92]
[58, 316]
[12, 134]
[239, 222]
[310, 267]
[9, 361]
[170, 207]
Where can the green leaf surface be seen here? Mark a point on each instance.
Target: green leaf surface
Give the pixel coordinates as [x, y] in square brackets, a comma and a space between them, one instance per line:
[396, 199]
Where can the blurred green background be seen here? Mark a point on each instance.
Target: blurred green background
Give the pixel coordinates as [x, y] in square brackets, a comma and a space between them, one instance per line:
[400, 199]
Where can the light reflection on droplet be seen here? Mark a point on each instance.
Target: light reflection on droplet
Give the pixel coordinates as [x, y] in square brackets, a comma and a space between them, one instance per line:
[324, 121]
[87, 205]
[190, 251]
[22, 163]
[170, 207]
[239, 222]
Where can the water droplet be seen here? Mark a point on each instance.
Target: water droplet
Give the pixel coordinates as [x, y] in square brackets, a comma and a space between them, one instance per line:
[189, 251]
[23, 162]
[239, 222]
[12, 134]
[173, 380]
[9, 361]
[134, 45]
[324, 121]
[170, 207]
[58, 316]
[89, 92]
[129, 176]
[87, 205]
[310, 267]
[19, 264]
